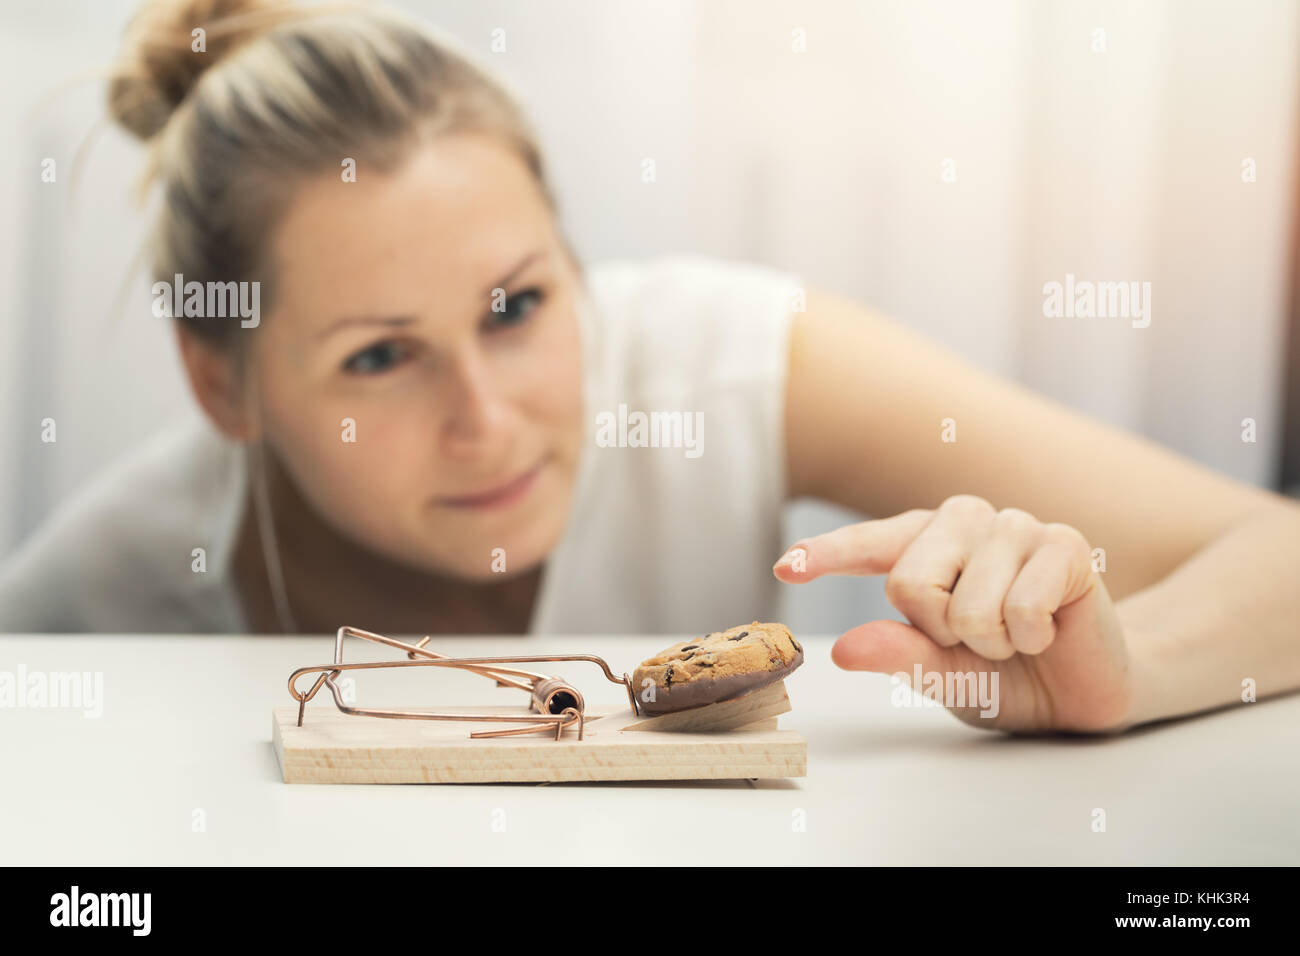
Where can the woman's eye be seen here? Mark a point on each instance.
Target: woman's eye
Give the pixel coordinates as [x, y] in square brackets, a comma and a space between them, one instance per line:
[378, 358]
[514, 309]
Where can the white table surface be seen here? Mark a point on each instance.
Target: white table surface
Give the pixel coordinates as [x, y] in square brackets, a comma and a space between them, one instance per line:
[186, 726]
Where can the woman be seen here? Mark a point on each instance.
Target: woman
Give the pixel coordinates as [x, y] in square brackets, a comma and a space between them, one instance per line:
[432, 419]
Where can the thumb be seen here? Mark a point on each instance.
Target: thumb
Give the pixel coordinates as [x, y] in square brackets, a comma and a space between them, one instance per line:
[887, 647]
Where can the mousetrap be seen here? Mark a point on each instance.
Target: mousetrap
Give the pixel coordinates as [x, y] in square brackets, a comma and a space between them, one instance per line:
[548, 736]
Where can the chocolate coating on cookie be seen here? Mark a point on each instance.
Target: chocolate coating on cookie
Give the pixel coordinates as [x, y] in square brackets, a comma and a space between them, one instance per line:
[720, 666]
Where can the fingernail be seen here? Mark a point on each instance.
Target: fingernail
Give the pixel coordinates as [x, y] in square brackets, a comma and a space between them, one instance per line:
[795, 553]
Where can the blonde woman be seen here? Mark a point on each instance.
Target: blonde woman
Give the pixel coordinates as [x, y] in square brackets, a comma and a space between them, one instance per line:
[435, 422]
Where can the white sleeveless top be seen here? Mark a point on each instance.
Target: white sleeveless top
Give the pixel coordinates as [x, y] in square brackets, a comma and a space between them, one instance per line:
[677, 537]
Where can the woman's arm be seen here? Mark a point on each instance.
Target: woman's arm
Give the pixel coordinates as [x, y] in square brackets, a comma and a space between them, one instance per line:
[1205, 566]
[1228, 615]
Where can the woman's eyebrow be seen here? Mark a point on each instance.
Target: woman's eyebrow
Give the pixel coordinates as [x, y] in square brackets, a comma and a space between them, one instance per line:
[400, 321]
[519, 267]
[394, 322]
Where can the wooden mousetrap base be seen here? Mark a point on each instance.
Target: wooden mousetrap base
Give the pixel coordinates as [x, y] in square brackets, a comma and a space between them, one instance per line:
[729, 740]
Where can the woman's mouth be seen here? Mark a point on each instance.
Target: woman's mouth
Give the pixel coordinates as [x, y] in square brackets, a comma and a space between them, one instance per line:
[496, 497]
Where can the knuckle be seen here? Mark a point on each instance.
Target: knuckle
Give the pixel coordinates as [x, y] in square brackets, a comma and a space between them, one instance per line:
[968, 623]
[1025, 612]
[1034, 643]
[1000, 651]
[904, 590]
[1066, 537]
[1017, 521]
[968, 505]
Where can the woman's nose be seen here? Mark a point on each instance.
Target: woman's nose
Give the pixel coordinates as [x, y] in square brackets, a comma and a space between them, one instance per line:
[475, 413]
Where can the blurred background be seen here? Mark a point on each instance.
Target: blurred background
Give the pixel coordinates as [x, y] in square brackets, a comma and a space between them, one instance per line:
[940, 161]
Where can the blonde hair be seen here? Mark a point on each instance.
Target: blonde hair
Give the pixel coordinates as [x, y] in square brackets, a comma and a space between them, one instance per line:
[283, 91]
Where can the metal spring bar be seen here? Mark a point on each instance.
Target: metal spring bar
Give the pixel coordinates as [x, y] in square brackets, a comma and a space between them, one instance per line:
[556, 703]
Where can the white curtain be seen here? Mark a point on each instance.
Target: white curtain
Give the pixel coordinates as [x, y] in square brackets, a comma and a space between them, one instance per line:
[939, 160]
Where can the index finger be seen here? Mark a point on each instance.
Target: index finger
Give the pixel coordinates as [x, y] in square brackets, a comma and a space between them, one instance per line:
[869, 547]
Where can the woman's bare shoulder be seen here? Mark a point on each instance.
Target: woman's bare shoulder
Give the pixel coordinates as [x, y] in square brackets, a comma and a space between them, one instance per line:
[141, 546]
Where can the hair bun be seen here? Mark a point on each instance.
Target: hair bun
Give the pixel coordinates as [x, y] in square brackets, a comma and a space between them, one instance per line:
[159, 65]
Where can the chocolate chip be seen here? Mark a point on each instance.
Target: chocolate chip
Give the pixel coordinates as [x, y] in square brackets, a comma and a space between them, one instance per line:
[691, 647]
[739, 636]
[796, 644]
[668, 676]
[704, 662]
[689, 656]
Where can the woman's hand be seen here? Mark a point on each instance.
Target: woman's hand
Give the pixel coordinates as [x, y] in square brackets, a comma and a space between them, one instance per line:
[986, 591]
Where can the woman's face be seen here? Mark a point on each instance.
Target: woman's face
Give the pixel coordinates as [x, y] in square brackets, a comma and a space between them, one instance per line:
[431, 314]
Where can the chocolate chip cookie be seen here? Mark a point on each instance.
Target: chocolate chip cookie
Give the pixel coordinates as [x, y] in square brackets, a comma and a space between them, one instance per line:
[718, 666]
